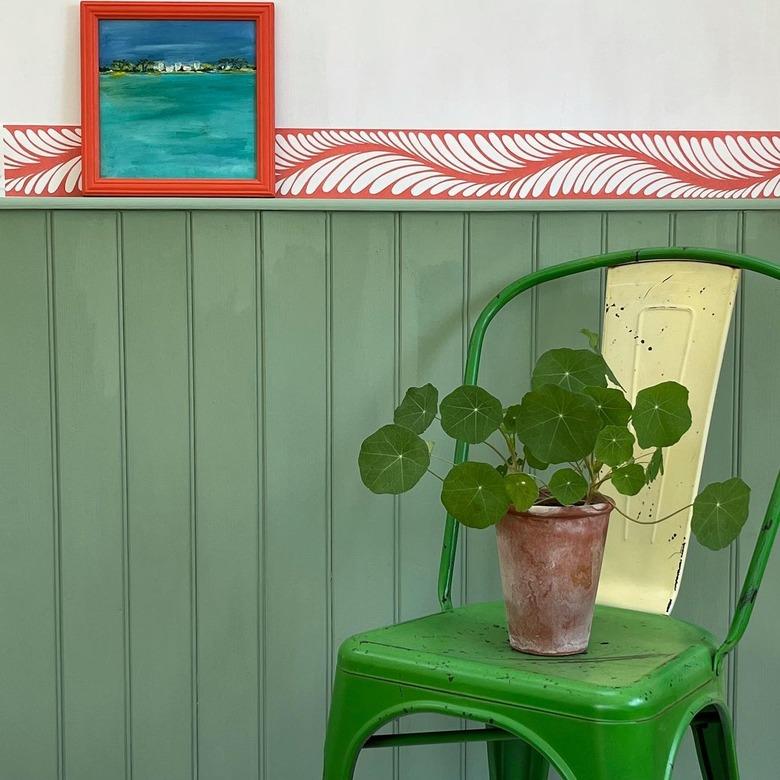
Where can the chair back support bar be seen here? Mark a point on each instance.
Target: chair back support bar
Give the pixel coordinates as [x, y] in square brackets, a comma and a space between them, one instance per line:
[608, 260]
[755, 574]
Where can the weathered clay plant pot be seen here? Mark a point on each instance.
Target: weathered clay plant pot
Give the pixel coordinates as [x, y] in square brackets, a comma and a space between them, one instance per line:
[550, 559]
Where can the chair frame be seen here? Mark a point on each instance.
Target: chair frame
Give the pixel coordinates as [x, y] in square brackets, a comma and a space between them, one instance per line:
[509, 755]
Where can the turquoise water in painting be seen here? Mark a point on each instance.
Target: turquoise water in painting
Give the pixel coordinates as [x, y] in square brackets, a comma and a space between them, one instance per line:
[178, 126]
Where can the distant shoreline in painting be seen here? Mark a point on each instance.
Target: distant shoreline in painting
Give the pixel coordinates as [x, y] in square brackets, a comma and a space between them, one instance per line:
[177, 99]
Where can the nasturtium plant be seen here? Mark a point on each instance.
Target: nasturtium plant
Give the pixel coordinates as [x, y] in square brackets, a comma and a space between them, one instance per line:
[569, 441]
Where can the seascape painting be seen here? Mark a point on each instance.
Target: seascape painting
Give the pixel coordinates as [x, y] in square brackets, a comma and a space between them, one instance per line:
[177, 99]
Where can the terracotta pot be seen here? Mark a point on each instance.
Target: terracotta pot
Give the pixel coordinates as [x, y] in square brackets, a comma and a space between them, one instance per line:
[550, 559]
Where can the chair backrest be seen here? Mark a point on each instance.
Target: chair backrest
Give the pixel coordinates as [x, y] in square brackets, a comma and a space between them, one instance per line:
[664, 319]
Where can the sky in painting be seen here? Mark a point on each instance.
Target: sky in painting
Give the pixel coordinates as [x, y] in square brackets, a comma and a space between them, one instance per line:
[176, 40]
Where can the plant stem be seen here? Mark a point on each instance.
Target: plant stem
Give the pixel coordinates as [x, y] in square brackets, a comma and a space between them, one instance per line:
[650, 522]
[510, 443]
[441, 479]
[443, 460]
[496, 450]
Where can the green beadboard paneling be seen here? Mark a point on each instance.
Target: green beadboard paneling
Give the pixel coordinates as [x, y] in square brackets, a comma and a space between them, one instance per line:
[706, 590]
[184, 540]
[297, 523]
[705, 596]
[565, 306]
[363, 332]
[758, 662]
[86, 298]
[431, 312]
[226, 493]
[155, 251]
[30, 692]
[500, 248]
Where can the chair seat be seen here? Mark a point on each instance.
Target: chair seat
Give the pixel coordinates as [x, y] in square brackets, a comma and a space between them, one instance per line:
[637, 663]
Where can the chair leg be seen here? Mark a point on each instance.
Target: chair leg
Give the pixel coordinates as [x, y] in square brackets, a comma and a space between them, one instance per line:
[516, 760]
[353, 716]
[714, 739]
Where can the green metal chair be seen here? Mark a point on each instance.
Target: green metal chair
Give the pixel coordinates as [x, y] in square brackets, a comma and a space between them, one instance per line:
[617, 712]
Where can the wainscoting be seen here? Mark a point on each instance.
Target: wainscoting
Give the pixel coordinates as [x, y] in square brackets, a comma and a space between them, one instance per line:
[184, 539]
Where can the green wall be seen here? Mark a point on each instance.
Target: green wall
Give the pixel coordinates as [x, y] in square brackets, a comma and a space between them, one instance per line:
[184, 540]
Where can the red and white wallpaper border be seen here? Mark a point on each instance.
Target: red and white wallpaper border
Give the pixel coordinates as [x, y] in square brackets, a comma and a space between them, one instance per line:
[45, 160]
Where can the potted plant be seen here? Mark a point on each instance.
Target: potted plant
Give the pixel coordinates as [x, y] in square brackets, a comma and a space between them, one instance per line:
[573, 439]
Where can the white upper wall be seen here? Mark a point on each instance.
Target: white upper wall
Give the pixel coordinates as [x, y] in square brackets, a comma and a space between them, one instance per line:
[578, 64]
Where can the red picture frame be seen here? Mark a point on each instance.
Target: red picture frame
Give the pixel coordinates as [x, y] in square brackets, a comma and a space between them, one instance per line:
[262, 14]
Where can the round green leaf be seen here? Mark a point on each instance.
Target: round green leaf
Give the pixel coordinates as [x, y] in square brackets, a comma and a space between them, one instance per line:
[510, 419]
[533, 461]
[628, 480]
[393, 460]
[557, 425]
[474, 494]
[661, 415]
[573, 369]
[655, 466]
[470, 414]
[417, 410]
[612, 405]
[522, 490]
[614, 445]
[568, 486]
[719, 512]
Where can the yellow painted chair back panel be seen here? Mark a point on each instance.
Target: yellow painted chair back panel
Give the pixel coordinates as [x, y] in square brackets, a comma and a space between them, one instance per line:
[663, 321]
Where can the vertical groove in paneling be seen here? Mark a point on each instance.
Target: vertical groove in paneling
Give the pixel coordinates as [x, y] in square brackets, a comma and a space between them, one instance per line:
[55, 482]
[465, 332]
[328, 542]
[193, 506]
[122, 367]
[532, 349]
[397, 345]
[603, 272]
[261, 494]
[732, 665]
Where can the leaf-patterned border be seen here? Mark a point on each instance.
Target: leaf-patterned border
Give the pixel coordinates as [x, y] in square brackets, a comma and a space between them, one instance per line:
[460, 164]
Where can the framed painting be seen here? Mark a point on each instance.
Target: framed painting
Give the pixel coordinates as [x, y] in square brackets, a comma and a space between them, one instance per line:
[177, 98]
